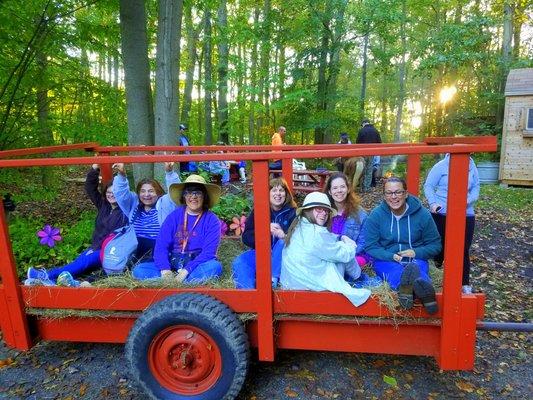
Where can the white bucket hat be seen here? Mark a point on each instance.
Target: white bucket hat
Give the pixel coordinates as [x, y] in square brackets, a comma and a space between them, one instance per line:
[316, 199]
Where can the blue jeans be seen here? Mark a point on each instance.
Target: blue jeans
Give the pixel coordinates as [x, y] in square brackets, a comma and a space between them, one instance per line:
[87, 261]
[208, 270]
[244, 268]
[391, 271]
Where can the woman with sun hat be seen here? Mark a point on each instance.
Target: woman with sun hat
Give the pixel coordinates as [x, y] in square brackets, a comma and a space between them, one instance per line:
[316, 259]
[188, 241]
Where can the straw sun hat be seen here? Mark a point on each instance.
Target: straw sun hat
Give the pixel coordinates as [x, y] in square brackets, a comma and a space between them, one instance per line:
[316, 199]
[213, 191]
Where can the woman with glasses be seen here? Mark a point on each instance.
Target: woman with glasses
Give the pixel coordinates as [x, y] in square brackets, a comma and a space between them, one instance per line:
[282, 213]
[401, 236]
[108, 218]
[436, 192]
[316, 259]
[187, 244]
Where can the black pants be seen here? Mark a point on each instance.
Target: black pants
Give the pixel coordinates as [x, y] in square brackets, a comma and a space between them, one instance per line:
[440, 221]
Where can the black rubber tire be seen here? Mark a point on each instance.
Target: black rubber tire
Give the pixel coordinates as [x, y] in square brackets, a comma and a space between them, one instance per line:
[203, 312]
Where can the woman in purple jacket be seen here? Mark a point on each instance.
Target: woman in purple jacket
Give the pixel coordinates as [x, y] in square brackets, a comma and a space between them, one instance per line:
[188, 241]
[108, 218]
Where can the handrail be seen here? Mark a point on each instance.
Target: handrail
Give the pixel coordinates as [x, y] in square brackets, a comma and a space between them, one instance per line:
[89, 146]
[346, 151]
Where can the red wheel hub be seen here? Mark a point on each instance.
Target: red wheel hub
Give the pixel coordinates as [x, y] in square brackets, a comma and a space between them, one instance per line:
[185, 359]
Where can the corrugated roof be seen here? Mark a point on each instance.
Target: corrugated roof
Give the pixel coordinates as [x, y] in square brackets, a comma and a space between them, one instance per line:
[519, 82]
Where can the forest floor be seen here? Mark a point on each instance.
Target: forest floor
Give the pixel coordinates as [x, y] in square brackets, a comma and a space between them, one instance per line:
[502, 269]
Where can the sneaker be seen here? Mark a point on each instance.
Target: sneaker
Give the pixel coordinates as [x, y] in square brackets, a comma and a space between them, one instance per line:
[410, 273]
[365, 281]
[65, 278]
[38, 273]
[467, 289]
[425, 291]
[38, 282]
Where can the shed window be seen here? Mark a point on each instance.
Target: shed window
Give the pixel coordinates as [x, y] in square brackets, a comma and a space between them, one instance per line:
[529, 124]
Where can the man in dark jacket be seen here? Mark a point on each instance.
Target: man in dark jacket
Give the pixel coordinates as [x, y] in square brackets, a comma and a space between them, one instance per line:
[368, 134]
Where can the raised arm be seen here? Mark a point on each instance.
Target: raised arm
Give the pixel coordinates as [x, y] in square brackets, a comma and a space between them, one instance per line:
[91, 186]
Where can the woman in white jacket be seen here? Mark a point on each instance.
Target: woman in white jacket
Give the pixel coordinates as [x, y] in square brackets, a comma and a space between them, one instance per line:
[316, 259]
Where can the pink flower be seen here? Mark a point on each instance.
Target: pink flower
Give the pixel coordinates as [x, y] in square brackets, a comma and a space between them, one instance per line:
[223, 228]
[238, 225]
[49, 235]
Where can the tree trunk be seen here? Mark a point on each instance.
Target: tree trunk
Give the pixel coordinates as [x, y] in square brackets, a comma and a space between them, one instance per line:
[506, 57]
[115, 70]
[264, 80]
[253, 81]
[363, 75]
[322, 83]
[43, 111]
[137, 79]
[207, 79]
[402, 73]
[223, 49]
[167, 76]
[192, 37]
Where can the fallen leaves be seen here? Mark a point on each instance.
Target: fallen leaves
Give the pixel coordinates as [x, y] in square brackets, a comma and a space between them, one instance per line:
[465, 386]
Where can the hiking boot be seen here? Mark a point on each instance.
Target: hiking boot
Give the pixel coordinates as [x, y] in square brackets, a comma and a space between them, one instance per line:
[65, 278]
[426, 293]
[38, 273]
[467, 289]
[410, 273]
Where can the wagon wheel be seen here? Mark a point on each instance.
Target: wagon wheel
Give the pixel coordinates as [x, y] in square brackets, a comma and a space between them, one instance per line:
[188, 346]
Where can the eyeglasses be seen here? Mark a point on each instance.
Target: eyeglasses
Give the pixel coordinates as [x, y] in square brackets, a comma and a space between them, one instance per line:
[397, 193]
[191, 193]
[321, 210]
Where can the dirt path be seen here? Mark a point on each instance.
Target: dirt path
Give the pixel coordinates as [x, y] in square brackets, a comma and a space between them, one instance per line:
[503, 369]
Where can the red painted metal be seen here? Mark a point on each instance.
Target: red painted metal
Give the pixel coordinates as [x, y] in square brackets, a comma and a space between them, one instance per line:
[453, 259]
[263, 261]
[13, 323]
[185, 359]
[48, 149]
[364, 337]
[413, 174]
[241, 301]
[449, 336]
[286, 165]
[346, 151]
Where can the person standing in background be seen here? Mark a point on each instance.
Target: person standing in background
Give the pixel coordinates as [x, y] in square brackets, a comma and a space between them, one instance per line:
[183, 140]
[368, 134]
[436, 192]
[343, 139]
[277, 140]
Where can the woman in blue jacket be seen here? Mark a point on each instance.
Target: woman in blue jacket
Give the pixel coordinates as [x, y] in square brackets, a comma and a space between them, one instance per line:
[401, 236]
[282, 213]
[436, 192]
[109, 217]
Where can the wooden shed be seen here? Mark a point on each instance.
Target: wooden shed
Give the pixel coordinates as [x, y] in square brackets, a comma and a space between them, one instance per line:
[516, 160]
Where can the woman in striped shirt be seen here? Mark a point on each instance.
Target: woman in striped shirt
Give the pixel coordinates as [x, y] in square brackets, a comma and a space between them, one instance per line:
[146, 208]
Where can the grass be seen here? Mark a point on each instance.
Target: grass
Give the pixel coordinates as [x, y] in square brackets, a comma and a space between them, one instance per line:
[510, 199]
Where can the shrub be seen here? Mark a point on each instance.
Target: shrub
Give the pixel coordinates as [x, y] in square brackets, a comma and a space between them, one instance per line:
[29, 252]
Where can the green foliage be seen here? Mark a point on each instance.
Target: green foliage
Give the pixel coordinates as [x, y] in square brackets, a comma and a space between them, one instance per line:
[25, 184]
[232, 205]
[29, 252]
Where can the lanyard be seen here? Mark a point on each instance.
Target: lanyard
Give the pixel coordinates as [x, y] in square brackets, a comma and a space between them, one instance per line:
[185, 232]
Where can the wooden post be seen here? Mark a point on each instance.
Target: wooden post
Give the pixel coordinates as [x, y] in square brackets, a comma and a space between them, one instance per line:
[263, 261]
[413, 173]
[454, 330]
[286, 166]
[13, 320]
